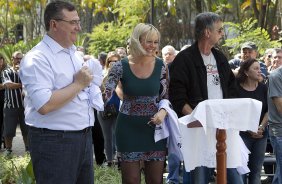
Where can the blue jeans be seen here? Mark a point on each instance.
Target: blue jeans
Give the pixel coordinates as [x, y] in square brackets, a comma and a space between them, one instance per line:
[186, 177]
[256, 158]
[276, 143]
[202, 175]
[233, 177]
[61, 157]
[174, 168]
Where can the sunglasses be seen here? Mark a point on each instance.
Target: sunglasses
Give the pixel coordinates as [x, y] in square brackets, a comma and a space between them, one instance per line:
[220, 30]
[113, 61]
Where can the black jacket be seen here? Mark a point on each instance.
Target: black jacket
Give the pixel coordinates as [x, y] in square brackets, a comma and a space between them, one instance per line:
[188, 78]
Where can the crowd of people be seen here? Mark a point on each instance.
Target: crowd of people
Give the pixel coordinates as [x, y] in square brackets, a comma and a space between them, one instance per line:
[56, 92]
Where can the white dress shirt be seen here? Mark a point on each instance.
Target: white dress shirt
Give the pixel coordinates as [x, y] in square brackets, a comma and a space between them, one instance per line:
[44, 69]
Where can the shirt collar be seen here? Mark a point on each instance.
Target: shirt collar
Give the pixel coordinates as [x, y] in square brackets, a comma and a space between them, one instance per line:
[55, 46]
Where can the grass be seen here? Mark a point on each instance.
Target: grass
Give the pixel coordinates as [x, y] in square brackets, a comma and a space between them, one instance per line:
[18, 170]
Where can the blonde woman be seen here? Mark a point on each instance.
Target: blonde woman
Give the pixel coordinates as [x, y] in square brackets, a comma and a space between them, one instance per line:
[143, 79]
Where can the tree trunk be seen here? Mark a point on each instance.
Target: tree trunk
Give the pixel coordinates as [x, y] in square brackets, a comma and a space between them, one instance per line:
[209, 5]
[262, 14]
[198, 6]
[254, 6]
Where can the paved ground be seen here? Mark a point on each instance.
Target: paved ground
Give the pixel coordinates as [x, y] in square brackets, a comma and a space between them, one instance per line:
[18, 144]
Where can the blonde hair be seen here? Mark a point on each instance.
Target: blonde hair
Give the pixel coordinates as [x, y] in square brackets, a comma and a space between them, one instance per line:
[147, 30]
[109, 56]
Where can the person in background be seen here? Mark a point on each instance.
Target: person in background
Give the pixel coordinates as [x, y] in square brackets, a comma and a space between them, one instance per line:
[174, 164]
[13, 104]
[2, 96]
[108, 121]
[121, 52]
[143, 79]
[102, 58]
[57, 103]
[97, 134]
[276, 62]
[248, 50]
[267, 58]
[249, 87]
[275, 116]
[202, 72]
[276, 59]
[168, 54]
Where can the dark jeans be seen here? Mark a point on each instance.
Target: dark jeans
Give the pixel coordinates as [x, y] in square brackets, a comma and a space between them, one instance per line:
[61, 157]
[202, 175]
[98, 141]
[256, 158]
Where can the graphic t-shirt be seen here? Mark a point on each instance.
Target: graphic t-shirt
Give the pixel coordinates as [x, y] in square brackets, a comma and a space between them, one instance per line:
[213, 81]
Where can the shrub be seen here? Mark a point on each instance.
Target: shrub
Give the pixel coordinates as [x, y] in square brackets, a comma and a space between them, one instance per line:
[108, 36]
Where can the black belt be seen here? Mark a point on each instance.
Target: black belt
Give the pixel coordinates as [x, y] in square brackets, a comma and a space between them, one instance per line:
[85, 130]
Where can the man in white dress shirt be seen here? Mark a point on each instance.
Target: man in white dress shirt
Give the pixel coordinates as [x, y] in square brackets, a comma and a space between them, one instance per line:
[57, 107]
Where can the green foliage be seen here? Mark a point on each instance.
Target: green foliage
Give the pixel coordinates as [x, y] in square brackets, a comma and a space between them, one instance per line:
[7, 50]
[247, 31]
[107, 36]
[107, 175]
[16, 170]
[81, 40]
[132, 8]
[221, 7]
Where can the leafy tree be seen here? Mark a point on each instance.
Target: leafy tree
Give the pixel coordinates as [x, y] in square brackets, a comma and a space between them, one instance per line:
[26, 12]
[107, 36]
[264, 12]
[247, 31]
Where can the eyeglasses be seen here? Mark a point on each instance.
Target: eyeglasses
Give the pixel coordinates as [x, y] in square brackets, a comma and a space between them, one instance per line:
[18, 58]
[71, 22]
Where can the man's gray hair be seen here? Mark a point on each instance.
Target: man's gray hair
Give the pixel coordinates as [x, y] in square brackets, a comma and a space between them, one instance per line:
[205, 21]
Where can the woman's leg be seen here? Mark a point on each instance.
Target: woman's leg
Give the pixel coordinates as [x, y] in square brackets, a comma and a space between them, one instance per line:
[256, 160]
[154, 172]
[130, 172]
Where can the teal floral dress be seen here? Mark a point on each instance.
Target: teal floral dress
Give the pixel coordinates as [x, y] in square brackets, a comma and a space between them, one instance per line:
[134, 137]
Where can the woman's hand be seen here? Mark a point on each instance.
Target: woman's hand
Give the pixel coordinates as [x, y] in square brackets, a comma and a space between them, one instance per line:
[260, 130]
[159, 117]
[255, 135]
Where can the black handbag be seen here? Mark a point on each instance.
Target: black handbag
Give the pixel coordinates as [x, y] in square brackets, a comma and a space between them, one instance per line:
[109, 112]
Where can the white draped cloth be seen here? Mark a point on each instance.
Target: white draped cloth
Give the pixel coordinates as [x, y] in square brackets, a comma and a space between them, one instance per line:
[234, 115]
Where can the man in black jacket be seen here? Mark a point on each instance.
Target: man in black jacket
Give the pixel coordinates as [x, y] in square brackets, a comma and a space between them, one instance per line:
[202, 72]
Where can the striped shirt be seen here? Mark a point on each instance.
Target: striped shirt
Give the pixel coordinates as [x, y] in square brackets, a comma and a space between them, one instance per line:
[13, 97]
